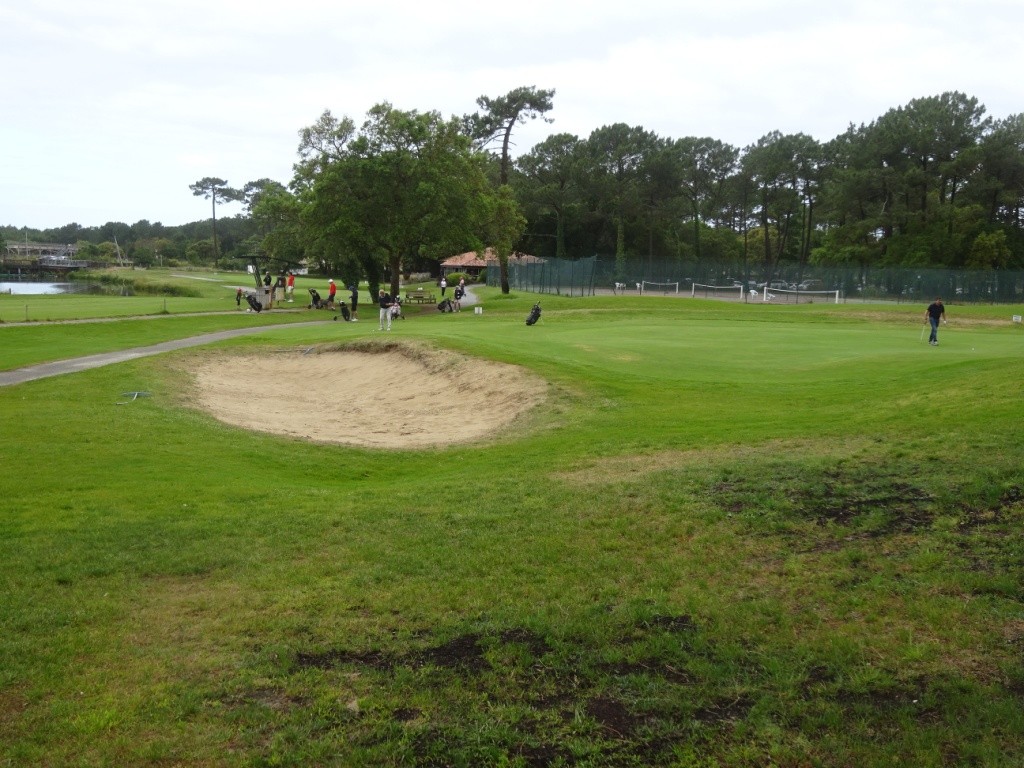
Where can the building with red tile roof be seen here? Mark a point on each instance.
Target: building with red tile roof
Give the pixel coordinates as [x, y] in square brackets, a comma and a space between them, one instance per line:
[471, 264]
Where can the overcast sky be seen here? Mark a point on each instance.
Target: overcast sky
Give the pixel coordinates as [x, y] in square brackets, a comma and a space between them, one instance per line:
[111, 109]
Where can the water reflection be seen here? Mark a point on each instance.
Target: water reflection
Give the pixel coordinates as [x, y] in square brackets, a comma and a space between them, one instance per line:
[34, 288]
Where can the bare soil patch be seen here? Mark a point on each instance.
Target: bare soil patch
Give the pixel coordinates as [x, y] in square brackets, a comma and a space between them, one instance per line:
[376, 395]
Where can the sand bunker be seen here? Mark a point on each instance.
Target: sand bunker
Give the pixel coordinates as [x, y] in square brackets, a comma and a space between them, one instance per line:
[390, 397]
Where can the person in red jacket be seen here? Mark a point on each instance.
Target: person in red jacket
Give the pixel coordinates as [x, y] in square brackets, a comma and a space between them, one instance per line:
[332, 290]
[290, 289]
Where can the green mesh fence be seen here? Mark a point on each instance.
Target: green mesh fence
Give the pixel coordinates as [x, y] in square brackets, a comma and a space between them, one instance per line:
[597, 274]
[562, 277]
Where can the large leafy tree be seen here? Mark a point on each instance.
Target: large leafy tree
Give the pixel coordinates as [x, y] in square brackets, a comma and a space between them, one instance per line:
[501, 115]
[705, 165]
[658, 191]
[999, 184]
[408, 185]
[929, 145]
[856, 198]
[503, 227]
[278, 216]
[254, 191]
[69, 233]
[322, 144]
[901, 189]
[548, 181]
[216, 191]
[617, 154]
[783, 171]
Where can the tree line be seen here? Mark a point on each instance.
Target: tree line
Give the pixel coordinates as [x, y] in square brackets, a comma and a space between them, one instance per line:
[934, 183]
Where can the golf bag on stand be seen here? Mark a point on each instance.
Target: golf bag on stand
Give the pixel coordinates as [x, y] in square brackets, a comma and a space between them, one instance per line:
[534, 315]
[315, 302]
[253, 303]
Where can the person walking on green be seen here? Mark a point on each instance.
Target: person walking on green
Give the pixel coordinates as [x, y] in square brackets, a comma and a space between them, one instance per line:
[933, 315]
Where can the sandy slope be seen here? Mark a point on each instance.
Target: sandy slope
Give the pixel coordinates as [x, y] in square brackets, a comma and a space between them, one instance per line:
[394, 397]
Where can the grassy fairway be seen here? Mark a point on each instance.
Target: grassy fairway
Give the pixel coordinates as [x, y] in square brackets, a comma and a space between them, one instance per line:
[734, 536]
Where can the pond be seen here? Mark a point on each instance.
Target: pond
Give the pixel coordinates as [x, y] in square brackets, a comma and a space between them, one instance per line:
[36, 288]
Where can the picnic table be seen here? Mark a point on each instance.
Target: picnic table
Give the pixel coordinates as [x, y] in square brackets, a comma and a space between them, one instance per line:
[420, 296]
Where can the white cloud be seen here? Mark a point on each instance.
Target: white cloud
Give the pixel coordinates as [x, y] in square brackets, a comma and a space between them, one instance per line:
[112, 96]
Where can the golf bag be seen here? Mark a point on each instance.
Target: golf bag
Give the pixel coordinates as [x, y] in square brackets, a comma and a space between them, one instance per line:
[534, 315]
[315, 302]
[345, 314]
[446, 306]
[252, 301]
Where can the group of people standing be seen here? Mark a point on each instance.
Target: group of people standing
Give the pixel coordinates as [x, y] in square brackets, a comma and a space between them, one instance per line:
[390, 306]
[459, 289]
[283, 288]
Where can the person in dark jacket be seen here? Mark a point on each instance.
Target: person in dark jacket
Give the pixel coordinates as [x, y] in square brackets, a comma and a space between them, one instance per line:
[935, 312]
[385, 302]
[355, 300]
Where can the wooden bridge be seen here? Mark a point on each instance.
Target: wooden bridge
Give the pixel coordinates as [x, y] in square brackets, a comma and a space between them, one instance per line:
[26, 250]
[39, 258]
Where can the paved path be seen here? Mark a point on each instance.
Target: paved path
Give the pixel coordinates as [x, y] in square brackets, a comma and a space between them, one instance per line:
[59, 367]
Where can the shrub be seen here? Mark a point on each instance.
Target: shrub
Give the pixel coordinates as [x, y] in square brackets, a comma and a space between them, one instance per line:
[454, 277]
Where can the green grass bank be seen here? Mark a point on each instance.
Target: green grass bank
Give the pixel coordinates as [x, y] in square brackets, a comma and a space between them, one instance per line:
[733, 535]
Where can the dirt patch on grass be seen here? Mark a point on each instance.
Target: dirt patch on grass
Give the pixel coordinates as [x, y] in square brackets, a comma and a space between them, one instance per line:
[613, 716]
[463, 652]
[376, 395]
[636, 466]
[331, 659]
[841, 499]
[724, 710]
[1008, 507]
[544, 695]
[13, 705]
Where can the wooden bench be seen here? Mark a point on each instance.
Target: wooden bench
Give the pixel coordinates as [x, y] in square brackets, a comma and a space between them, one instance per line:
[420, 296]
